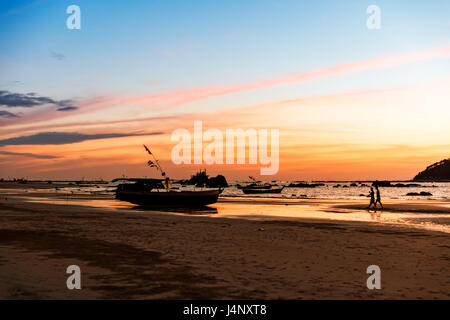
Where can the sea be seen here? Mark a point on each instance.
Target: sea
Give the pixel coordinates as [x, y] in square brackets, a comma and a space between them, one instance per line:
[351, 190]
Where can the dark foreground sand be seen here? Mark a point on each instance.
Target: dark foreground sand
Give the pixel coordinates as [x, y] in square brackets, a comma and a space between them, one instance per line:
[127, 254]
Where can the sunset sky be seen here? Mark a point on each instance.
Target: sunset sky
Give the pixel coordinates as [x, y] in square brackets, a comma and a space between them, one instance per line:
[350, 103]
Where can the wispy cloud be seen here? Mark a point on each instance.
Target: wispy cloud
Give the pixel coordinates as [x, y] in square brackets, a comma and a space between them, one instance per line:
[181, 97]
[57, 138]
[7, 114]
[57, 55]
[30, 100]
[88, 105]
[30, 155]
[67, 108]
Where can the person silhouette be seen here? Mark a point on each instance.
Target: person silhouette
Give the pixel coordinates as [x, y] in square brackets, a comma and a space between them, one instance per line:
[378, 197]
[372, 198]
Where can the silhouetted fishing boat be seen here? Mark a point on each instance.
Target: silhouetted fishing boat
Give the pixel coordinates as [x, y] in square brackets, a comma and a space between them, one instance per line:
[259, 191]
[255, 185]
[156, 192]
[142, 194]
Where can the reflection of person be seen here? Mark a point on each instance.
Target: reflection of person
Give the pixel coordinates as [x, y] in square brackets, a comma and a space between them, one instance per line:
[372, 199]
[378, 197]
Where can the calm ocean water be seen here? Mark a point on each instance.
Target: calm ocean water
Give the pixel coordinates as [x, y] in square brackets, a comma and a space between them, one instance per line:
[330, 190]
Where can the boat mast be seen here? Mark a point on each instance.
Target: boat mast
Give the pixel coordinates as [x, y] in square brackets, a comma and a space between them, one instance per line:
[157, 166]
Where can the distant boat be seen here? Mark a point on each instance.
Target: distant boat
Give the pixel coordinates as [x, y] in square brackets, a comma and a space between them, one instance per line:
[255, 186]
[142, 194]
[260, 191]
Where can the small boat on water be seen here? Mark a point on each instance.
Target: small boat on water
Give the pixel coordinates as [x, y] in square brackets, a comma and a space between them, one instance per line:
[157, 192]
[143, 195]
[260, 191]
[257, 185]
[254, 186]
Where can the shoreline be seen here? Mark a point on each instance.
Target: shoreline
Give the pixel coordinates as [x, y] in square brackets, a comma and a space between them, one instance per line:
[132, 254]
[433, 215]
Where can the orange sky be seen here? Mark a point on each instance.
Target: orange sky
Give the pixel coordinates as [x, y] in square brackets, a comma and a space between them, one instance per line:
[366, 133]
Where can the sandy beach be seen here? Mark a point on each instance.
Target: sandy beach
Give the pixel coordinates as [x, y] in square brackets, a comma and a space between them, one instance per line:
[136, 254]
[225, 150]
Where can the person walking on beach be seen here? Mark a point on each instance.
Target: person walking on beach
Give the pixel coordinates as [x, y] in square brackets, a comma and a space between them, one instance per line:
[378, 197]
[372, 198]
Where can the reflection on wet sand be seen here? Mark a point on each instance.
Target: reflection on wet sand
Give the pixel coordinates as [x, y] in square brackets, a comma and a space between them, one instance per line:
[429, 214]
[199, 210]
[375, 215]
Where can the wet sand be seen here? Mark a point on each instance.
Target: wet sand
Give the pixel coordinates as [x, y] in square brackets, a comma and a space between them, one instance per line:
[136, 254]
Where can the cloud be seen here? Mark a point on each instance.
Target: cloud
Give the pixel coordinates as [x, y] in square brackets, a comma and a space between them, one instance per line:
[57, 56]
[182, 97]
[178, 98]
[7, 114]
[68, 108]
[31, 155]
[29, 100]
[57, 138]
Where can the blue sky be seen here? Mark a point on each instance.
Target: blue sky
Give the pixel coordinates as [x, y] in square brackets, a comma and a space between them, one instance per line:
[164, 45]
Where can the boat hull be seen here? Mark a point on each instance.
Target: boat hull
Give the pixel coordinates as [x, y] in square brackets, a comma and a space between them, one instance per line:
[261, 191]
[172, 198]
[255, 186]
